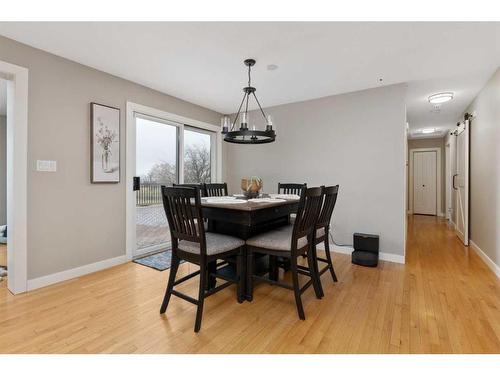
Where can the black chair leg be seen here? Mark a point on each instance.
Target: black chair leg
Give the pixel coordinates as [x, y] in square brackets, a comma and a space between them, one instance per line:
[239, 275]
[211, 280]
[313, 269]
[329, 258]
[201, 295]
[170, 285]
[273, 268]
[296, 288]
[249, 276]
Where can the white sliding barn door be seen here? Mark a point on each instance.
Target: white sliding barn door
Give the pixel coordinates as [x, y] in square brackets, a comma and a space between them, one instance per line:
[425, 183]
[461, 183]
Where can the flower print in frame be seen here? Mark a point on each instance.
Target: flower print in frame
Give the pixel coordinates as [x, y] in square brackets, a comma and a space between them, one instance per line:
[105, 144]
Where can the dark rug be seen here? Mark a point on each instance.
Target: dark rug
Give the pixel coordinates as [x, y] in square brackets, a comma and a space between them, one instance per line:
[159, 261]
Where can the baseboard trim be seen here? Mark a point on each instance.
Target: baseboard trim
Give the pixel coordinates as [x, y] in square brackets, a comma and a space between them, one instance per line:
[58, 277]
[388, 257]
[486, 259]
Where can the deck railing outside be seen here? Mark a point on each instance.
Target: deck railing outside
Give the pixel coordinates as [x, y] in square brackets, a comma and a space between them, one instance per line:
[148, 194]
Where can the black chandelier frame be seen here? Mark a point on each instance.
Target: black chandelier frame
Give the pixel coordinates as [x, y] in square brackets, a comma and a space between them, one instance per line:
[244, 135]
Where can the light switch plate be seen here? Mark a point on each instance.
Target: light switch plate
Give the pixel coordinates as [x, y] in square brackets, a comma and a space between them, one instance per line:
[46, 165]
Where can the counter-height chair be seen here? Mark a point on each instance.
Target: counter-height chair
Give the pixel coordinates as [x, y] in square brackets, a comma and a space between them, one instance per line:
[201, 187]
[287, 188]
[192, 244]
[216, 189]
[290, 242]
[323, 230]
[322, 233]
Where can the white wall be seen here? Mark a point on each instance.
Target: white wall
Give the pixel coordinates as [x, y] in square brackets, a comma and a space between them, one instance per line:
[485, 170]
[356, 140]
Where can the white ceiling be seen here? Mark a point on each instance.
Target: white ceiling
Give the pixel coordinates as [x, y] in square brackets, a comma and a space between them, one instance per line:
[3, 97]
[202, 62]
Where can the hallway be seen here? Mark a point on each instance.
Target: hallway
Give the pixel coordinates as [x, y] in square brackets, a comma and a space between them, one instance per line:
[444, 300]
[453, 297]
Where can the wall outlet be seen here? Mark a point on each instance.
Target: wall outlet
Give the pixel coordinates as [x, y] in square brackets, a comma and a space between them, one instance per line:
[46, 165]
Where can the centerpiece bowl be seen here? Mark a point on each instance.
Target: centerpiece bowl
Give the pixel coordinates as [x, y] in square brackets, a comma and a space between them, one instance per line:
[251, 186]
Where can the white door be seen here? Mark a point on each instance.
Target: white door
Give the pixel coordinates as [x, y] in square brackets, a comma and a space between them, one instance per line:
[424, 183]
[461, 183]
[156, 164]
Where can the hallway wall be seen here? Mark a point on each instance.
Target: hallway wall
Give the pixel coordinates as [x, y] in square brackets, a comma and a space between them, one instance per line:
[485, 170]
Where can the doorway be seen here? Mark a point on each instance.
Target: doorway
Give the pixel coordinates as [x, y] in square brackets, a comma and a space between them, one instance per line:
[16, 78]
[163, 149]
[425, 181]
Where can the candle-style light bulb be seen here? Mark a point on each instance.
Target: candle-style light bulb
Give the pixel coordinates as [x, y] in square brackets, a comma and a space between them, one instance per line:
[244, 121]
[224, 124]
[269, 125]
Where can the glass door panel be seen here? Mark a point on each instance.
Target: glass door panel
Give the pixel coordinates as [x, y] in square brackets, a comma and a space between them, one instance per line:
[156, 165]
[198, 155]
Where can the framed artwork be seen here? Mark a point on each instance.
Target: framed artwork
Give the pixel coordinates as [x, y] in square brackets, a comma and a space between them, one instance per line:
[104, 144]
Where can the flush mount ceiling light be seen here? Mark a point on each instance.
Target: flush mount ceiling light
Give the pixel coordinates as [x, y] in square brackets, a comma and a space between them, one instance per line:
[244, 135]
[440, 98]
[428, 131]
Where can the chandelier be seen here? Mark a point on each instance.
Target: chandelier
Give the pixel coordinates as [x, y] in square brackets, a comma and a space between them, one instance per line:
[244, 135]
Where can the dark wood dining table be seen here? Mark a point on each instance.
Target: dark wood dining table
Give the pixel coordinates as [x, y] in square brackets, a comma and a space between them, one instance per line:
[245, 220]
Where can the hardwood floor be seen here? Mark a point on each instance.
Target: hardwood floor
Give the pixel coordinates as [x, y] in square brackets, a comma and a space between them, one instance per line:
[3, 254]
[444, 300]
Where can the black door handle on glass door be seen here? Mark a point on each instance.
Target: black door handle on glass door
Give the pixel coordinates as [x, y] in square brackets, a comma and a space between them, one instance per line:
[137, 184]
[454, 187]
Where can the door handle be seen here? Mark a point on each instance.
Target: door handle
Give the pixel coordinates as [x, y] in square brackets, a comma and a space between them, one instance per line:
[454, 187]
[136, 184]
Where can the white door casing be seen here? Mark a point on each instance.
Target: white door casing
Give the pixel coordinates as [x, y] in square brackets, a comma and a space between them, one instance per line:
[424, 183]
[449, 176]
[17, 174]
[437, 151]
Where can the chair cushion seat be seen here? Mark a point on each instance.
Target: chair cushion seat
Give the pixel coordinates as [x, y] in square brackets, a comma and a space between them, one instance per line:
[279, 239]
[216, 244]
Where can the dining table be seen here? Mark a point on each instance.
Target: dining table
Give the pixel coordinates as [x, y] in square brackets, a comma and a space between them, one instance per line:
[243, 219]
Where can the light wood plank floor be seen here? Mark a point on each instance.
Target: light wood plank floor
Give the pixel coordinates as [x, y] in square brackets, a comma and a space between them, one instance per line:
[444, 300]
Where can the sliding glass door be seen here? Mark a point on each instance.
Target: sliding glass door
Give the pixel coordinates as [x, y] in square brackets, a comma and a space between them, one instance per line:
[157, 150]
[166, 152]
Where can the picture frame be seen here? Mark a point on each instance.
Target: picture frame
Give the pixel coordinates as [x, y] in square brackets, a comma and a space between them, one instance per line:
[104, 144]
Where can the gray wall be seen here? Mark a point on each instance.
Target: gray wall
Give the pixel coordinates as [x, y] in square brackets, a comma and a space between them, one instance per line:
[431, 143]
[3, 170]
[356, 140]
[72, 222]
[485, 170]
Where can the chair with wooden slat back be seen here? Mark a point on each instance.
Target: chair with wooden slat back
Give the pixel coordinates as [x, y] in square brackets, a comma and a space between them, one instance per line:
[322, 231]
[290, 242]
[191, 243]
[201, 188]
[216, 189]
[291, 188]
